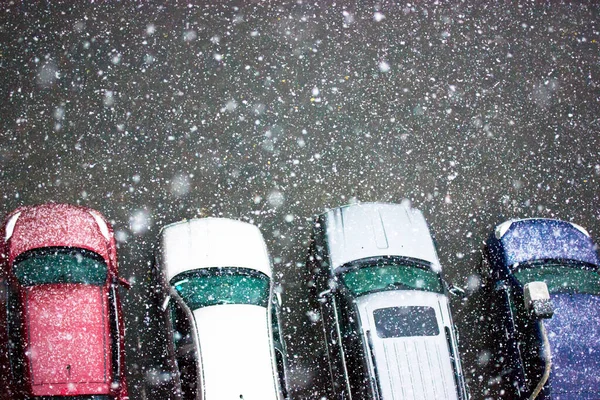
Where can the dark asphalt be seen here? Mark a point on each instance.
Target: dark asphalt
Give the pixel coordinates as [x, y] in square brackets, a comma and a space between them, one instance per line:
[272, 112]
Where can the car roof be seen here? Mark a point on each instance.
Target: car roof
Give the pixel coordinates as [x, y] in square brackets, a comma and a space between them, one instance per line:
[57, 225]
[60, 320]
[426, 360]
[543, 238]
[572, 331]
[212, 242]
[364, 230]
[235, 350]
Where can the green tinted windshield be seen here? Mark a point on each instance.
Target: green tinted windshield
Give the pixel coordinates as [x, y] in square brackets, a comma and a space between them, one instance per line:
[42, 266]
[211, 286]
[391, 277]
[561, 278]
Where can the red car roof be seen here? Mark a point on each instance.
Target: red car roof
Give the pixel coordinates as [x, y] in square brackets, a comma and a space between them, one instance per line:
[68, 339]
[60, 225]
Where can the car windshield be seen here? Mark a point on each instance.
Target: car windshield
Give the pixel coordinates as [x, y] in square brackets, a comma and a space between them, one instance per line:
[561, 278]
[212, 286]
[44, 266]
[391, 277]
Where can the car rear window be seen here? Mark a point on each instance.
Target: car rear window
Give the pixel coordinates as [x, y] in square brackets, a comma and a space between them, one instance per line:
[62, 265]
[212, 286]
[394, 322]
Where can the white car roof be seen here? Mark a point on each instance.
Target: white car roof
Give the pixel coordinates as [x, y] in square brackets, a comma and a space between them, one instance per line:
[212, 242]
[378, 229]
[236, 352]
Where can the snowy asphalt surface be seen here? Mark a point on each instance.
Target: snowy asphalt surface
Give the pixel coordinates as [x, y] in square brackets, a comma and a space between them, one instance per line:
[273, 112]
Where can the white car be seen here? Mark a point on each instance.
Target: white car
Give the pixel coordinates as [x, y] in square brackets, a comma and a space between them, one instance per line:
[224, 311]
[384, 306]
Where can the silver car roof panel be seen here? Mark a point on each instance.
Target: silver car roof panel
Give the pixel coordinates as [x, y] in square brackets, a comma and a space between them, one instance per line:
[378, 229]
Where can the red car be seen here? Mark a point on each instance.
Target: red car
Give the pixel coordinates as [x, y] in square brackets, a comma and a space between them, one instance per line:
[61, 324]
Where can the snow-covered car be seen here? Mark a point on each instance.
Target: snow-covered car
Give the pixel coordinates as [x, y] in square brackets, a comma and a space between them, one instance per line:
[563, 256]
[383, 304]
[61, 325]
[223, 310]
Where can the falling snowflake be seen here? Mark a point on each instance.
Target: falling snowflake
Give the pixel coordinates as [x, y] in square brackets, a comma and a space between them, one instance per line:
[384, 66]
[140, 221]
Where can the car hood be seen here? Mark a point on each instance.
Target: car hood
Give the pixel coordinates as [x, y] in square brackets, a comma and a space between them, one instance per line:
[68, 342]
[58, 225]
[574, 335]
[539, 239]
[376, 229]
[212, 243]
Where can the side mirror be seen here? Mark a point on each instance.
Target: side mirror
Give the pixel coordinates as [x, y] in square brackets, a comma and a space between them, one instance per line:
[454, 290]
[124, 282]
[537, 300]
[117, 281]
[457, 291]
[165, 303]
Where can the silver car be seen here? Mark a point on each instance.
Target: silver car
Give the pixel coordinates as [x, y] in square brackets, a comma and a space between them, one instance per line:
[223, 311]
[384, 306]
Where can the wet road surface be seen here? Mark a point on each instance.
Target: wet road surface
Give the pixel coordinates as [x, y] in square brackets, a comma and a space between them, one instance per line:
[272, 112]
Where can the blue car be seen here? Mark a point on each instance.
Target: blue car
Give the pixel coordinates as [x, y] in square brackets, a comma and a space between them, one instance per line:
[563, 256]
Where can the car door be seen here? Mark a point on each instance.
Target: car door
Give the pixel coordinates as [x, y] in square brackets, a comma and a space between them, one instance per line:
[528, 340]
[333, 342]
[186, 354]
[278, 344]
[362, 381]
[5, 370]
[505, 309]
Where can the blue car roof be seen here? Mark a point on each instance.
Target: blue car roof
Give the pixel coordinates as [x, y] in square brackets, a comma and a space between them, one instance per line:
[539, 239]
[574, 336]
